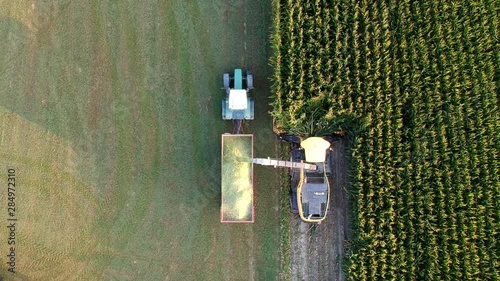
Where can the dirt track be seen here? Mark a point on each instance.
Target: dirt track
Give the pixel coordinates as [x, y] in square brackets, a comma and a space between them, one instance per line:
[317, 250]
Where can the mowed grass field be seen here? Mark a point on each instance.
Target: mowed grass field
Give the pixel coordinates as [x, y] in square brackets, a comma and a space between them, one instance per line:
[110, 112]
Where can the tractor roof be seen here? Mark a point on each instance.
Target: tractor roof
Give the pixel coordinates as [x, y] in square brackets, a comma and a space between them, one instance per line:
[238, 99]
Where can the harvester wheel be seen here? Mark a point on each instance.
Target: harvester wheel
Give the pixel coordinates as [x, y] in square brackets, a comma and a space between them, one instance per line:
[226, 80]
[249, 80]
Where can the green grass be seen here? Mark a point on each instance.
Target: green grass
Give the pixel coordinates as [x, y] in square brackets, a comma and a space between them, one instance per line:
[111, 115]
[286, 256]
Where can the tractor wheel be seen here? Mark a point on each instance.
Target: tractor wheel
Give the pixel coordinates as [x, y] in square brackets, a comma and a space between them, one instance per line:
[226, 80]
[249, 80]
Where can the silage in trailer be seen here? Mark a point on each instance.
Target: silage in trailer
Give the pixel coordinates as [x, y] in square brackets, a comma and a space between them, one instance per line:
[237, 179]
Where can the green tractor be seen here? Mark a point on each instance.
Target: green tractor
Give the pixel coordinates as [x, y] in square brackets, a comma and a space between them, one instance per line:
[237, 105]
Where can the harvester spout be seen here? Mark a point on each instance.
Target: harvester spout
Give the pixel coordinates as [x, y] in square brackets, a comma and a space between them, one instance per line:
[282, 163]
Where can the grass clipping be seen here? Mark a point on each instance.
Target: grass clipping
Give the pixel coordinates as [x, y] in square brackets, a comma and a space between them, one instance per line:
[237, 182]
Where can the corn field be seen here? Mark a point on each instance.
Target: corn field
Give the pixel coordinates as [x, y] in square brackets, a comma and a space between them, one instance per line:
[417, 83]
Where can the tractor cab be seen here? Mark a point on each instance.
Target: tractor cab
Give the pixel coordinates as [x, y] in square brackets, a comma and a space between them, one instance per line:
[238, 99]
[237, 105]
